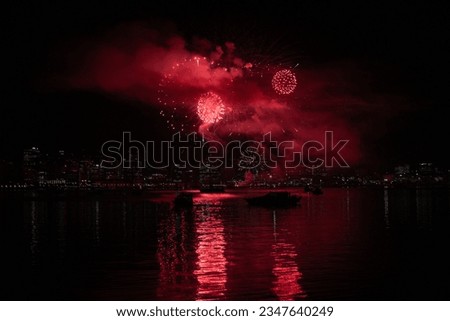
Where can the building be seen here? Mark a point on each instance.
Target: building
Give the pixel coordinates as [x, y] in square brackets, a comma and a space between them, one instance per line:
[32, 162]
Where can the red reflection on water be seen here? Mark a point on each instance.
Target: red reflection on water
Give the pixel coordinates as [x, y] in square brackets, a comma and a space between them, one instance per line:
[285, 269]
[213, 199]
[211, 270]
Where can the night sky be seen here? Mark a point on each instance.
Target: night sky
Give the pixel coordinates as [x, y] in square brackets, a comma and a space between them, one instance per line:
[378, 73]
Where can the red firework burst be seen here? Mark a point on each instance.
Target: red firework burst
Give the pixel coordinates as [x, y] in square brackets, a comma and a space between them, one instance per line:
[210, 108]
[284, 82]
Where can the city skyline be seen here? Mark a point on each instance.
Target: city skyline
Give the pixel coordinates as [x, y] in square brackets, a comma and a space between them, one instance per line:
[68, 171]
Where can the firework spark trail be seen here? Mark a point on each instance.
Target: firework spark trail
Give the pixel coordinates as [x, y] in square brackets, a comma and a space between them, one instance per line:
[175, 92]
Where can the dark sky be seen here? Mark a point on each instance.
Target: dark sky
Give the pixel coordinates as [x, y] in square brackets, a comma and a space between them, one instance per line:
[401, 47]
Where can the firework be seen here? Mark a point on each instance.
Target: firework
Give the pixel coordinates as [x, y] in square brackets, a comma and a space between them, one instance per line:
[174, 93]
[284, 82]
[210, 108]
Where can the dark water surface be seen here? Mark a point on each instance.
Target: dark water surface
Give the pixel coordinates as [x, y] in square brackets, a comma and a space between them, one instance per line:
[346, 244]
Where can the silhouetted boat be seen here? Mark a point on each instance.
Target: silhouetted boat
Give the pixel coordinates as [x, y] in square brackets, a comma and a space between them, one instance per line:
[274, 199]
[183, 199]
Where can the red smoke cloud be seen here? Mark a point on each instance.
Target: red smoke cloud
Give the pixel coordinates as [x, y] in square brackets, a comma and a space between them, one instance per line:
[160, 70]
